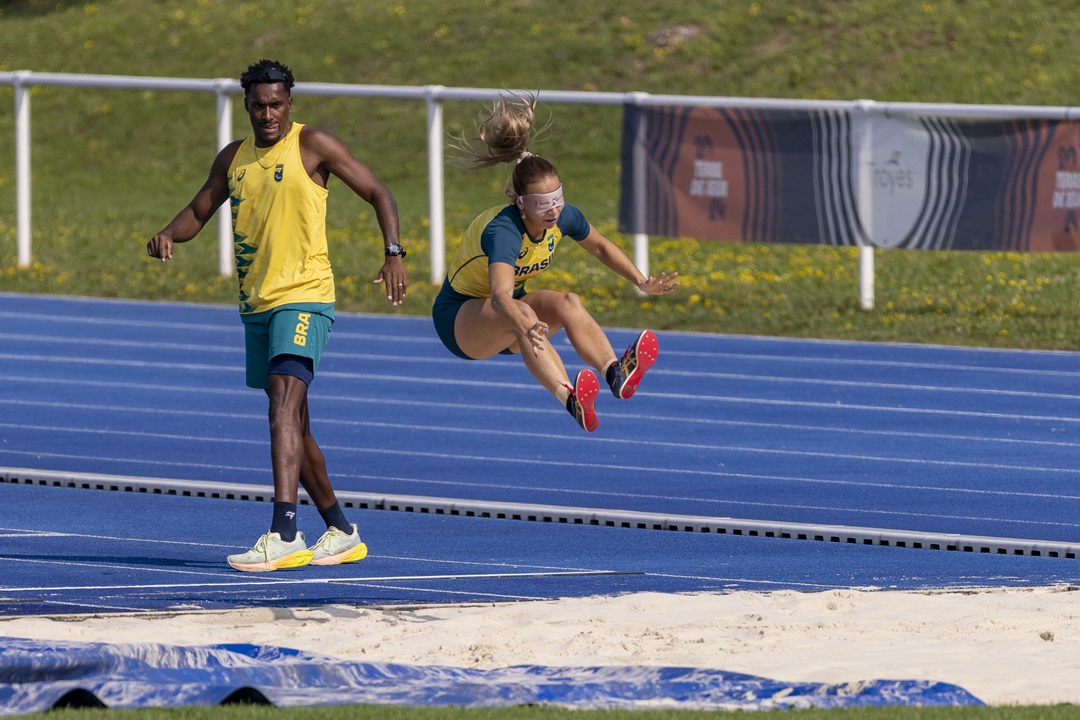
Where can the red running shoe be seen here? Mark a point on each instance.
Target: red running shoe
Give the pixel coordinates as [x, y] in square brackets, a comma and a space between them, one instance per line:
[639, 357]
[583, 400]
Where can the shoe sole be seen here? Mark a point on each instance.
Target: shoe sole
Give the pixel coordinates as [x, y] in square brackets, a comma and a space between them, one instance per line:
[642, 354]
[586, 388]
[354, 554]
[300, 558]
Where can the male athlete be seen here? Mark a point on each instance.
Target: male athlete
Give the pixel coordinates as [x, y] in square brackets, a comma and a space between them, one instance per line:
[276, 183]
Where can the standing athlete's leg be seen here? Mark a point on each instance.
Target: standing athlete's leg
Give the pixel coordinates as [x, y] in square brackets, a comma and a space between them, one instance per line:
[341, 541]
[288, 401]
[287, 395]
[313, 474]
[283, 546]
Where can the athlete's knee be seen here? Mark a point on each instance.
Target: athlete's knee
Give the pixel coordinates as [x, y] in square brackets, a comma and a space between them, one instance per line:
[527, 311]
[569, 304]
[287, 395]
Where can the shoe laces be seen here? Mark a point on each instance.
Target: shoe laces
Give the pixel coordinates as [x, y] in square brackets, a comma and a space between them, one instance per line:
[628, 361]
[329, 535]
[618, 373]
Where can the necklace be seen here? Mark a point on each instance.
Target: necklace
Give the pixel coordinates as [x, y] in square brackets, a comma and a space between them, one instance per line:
[280, 145]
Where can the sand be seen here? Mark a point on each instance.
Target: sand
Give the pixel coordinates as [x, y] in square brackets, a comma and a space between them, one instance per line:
[1005, 646]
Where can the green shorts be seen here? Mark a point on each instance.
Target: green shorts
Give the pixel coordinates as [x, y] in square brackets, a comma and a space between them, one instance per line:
[300, 329]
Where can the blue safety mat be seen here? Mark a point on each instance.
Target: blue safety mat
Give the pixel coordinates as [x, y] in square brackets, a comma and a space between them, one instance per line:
[35, 677]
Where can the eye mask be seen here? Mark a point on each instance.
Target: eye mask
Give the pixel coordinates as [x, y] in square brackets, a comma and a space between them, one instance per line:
[539, 203]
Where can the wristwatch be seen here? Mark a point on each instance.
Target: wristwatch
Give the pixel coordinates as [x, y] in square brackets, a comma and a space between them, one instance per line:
[395, 250]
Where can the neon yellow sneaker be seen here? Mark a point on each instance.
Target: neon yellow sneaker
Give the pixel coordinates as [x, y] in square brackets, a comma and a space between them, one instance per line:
[336, 547]
[271, 553]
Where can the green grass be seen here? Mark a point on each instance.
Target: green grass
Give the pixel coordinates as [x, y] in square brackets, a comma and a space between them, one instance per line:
[112, 167]
[240, 712]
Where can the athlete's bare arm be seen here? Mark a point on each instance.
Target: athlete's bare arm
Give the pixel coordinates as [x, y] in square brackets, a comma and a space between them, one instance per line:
[198, 212]
[324, 155]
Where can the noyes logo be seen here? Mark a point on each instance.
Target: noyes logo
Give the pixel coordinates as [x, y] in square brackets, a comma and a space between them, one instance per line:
[890, 181]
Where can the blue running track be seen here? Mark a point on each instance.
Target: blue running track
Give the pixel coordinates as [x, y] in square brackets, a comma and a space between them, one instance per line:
[862, 446]
[134, 459]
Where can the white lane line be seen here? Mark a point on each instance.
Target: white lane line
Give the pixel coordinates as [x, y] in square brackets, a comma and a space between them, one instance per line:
[722, 475]
[632, 442]
[457, 593]
[104, 564]
[81, 606]
[27, 532]
[903, 387]
[737, 581]
[485, 409]
[815, 382]
[901, 364]
[134, 461]
[322, 581]
[832, 407]
[230, 324]
[237, 349]
[716, 448]
[724, 502]
[119, 362]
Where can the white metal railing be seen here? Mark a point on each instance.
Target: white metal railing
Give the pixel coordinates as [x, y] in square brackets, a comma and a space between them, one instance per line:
[434, 96]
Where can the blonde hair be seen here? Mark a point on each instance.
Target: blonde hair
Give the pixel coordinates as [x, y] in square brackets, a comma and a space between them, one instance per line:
[505, 136]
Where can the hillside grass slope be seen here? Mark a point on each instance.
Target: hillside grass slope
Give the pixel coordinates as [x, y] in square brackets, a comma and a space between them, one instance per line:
[112, 167]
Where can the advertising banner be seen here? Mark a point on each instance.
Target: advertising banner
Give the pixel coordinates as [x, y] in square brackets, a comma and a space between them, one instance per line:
[851, 177]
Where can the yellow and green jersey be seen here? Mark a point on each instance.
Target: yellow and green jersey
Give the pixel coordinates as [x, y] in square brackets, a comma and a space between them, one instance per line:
[279, 227]
[499, 235]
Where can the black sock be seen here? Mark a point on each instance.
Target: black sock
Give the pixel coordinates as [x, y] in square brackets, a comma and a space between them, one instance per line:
[284, 523]
[335, 517]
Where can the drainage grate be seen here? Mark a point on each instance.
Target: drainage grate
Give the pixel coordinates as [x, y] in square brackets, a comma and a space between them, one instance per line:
[560, 514]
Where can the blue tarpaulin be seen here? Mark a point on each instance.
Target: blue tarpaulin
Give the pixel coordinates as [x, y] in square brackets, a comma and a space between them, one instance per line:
[36, 676]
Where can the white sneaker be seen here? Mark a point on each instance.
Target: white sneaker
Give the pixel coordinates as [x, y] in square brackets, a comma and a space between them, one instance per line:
[271, 553]
[336, 547]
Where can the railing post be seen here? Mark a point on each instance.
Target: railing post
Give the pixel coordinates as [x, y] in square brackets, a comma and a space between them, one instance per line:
[436, 230]
[22, 166]
[865, 178]
[224, 137]
[641, 238]
[866, 277]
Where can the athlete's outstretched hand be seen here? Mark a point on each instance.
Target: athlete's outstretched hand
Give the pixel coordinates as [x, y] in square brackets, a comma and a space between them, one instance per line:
[662, 284]
[392, 277]
[160, 246]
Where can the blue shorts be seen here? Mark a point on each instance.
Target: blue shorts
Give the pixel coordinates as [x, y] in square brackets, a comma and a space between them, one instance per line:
[444, 313]
[300, 329]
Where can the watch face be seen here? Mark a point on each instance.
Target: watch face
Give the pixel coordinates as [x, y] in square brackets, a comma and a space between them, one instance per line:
[393, 249]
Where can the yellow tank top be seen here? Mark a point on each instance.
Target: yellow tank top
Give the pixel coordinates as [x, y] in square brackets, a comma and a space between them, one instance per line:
[279, 227]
